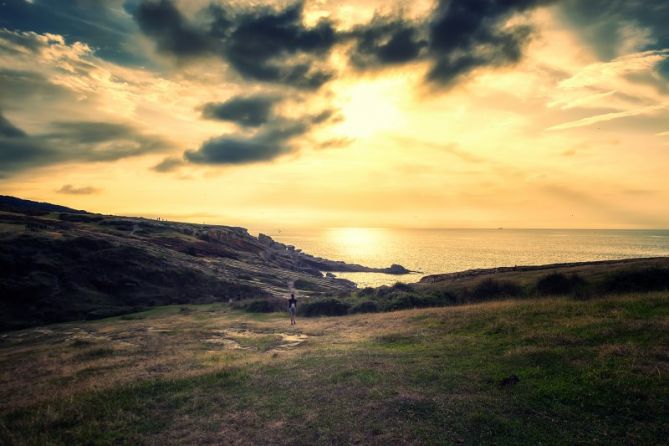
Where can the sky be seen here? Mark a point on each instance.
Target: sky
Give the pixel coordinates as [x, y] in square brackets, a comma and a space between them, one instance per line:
[322, 113]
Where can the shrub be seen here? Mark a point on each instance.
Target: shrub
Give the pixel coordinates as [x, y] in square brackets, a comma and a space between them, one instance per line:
[444, 297]
[271, 305]
[493, 289]
[406, 300]
[367, 291]
[367, 306]
[558, 283]
[641, 280]
[327, 307]
[399, 287]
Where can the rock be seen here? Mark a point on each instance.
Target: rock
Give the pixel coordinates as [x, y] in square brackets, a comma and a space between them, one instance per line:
[397, 269]
[265, 240]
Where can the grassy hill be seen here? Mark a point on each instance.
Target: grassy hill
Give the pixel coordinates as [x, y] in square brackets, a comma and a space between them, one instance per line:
[581, 281]
[547, 371]
[59, 264]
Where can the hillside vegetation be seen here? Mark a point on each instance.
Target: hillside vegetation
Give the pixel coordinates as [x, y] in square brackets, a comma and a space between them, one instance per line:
[59, 264]
[548, 371]
[581, 281]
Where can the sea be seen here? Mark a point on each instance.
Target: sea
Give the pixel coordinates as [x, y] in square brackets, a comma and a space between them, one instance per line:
[434, 251]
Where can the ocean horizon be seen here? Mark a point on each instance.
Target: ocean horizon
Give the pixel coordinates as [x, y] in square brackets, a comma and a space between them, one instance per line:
[434, 251]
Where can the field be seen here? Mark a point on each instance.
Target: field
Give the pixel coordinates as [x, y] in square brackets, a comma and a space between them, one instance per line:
[555, 370]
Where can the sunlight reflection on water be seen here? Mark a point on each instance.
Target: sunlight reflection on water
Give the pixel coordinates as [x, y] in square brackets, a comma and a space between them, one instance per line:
[433, 251]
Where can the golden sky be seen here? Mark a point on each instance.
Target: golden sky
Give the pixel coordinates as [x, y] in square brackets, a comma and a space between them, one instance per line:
[348, 113]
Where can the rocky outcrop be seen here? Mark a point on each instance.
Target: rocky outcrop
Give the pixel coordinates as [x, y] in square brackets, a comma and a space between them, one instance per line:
[307, 262]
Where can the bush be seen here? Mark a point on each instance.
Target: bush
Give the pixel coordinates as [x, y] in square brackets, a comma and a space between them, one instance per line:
[410, 300]
[367, 306]
[493, 289]
[558, 283]
[327, 307]
[641, 280]
[399, 287]
[367, 291]
[446, 298]
[272, 305]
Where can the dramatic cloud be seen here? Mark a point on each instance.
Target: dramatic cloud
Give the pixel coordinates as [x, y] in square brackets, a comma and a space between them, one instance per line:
[265, 45]
[274, 46]
[248, 111]
[459, 37]
[386, 42]
[71, 142]
[72, 190]
[466, 35]
[267, 144]
[163, 22]
[102, 24]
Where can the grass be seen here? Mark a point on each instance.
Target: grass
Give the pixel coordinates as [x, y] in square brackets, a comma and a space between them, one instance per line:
[589, 372]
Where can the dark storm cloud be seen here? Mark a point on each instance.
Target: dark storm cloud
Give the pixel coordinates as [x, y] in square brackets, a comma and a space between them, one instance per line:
[274, 140]
[248, 111]
[234, 150]
[605, 23]
[163, 22]
[459, 37]
[470, 34]
[273, 45]
[71, 141]
[386, 42]
[266, 45]
[102, 24]
[261, 45]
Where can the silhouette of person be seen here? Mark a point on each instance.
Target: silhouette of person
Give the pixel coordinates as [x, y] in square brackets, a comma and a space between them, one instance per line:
[292, 308]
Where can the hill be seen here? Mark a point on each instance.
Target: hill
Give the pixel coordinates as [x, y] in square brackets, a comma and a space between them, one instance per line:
[59, 264]
[548, 371]
[582, 281]
[14, 204]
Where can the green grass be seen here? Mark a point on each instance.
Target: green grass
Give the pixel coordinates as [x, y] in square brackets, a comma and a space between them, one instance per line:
[589, 372]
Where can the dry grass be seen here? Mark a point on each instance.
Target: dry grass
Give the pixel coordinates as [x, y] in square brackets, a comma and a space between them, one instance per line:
[589, 372]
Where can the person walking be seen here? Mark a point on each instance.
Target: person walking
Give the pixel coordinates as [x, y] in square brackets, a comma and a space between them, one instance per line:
[292, 308]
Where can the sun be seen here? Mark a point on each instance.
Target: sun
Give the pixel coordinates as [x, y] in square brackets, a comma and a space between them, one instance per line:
[371, 107]
[357, 242]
